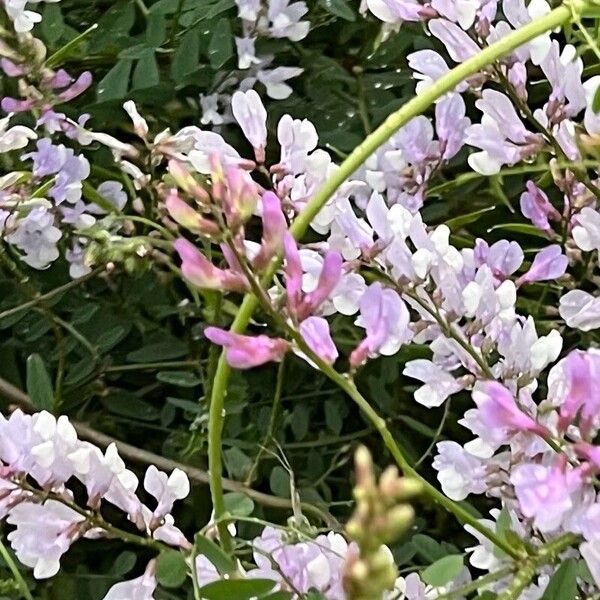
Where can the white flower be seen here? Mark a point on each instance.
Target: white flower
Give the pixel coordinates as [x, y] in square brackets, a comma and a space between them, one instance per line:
[586, 232]
[580, 310]
[251, 116]
[459, 472]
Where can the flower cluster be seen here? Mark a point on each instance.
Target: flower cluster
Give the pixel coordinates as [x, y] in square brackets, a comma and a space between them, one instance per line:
[41, 456]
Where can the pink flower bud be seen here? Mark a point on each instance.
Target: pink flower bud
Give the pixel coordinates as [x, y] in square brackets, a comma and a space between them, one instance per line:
[274, 228]
[246, 352]
[186, 181]
[187, 217]
[202, 273]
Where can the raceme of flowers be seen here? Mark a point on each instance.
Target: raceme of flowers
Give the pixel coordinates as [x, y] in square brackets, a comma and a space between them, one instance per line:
[535, 416]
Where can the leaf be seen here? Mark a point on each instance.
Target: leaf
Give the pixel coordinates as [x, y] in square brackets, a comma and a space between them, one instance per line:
[220, 48]
[238, 463]
[563, 584]
[300, 421]
[186, 57]
[167, 350]
[238, 589]
[457, 222]
[280, 482]
[53, 25]
[171, 568]
[187, 405]
[183, 379]
[427, 547]
[115, 83]
[238, 504]
[156, 29]
[127, 405]
[596, 101]
[520, 228]
[219, 559]
[146, 73]
[39, 385]
[443, 570]
[339, 8]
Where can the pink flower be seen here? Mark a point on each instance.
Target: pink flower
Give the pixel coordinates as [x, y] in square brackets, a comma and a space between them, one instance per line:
[203, 274]
[245, 352]
[303, 305]
[545, 493]
[500, 413]
[274, 229]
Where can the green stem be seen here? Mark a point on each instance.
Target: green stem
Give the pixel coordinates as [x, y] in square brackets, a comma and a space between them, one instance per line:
[359, 155]
[10, 563]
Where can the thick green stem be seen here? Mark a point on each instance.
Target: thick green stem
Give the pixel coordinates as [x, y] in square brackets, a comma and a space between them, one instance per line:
[361, 153]
[10, 563]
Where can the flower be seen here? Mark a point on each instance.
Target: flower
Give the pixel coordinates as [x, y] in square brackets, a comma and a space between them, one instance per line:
[251, 116]
[246, 352]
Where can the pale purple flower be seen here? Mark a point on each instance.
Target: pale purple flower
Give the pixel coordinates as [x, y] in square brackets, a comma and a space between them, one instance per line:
[459, 473]
[246, 352]
[591, 554]
[36, 236]
[580, 310]
[275, 79]
[68, 182]
[396, 11]
[316, 334]
[586, 229]
[439, 384]
[386, 320]
[44, 532]
[211, 113]
[428, 66]
[297, 139]
[591, 119]
[251, 116]
[140, 126]
[458, 44]
[460, 11]
[206, 144]
[502, 257]
[248, 9]
[451, 125]
[537, 208]
[519, 14]
[166, 489]
[545, 493]
[285, 20]
[81, 84]
[550, 263]
[274, 229]
[140, 588]
[502, 137]
[246, 52]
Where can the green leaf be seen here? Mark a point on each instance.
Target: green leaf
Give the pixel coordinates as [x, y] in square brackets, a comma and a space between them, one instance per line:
[457, 222]
[187, 405]
[39, 385]
[156, 29]
[238, 589]
[339, 8]
[171, 569]
[146, 73]
[220, 48]
[167, 350]
[563, 584]
[443, 570]
[427, 547]
[186, 57]
[219, 559]
[127, 404]
[238, 504]
[278, 596]
[183, 379]
[115, 83]
[596, 101]
[52, 25]
[280, 482]
[519, 228]
[238, 463]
